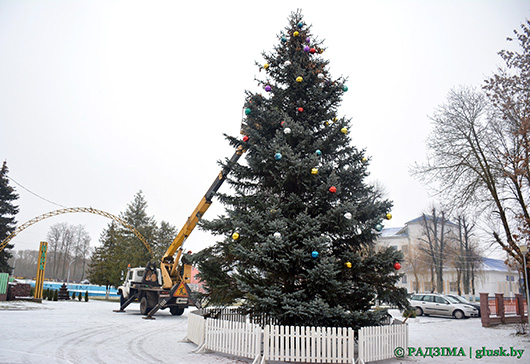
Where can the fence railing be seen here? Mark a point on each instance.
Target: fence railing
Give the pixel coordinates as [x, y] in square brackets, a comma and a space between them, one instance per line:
[294, 343]
[308, 344]
[500, 310]
[379, 342]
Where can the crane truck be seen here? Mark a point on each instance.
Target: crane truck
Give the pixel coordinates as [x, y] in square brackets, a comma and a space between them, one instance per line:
[167, 287]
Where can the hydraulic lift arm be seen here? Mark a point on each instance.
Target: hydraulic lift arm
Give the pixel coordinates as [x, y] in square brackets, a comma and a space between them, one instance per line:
[170, 265]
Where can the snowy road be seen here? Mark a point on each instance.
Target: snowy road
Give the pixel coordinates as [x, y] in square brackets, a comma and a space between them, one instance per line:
[85, 333]
[81, 332]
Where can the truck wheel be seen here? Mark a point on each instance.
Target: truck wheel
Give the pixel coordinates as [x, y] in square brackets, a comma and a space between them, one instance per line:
[176, 311]
[144, 308]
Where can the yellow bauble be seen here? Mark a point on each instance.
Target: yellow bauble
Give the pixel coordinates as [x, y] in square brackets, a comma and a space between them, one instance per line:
[344, 130]
[388, 216]
[296, 34]
[348, 264]
[235, 236]
[266, 65]
[364, 160]
[299, 79]
[314, 171]
[334, 120]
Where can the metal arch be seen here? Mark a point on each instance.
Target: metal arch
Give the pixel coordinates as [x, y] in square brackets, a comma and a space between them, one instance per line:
[90, 210]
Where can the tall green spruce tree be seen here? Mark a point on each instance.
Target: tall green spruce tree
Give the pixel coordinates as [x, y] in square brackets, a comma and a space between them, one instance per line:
[7, 217]
[299, 229]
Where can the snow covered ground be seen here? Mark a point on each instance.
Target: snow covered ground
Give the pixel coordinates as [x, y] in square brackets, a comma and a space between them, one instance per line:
[89, 332]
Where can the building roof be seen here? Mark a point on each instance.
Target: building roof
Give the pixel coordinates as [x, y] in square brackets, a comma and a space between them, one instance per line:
[496, 265]
[430, 218]
[393, 232]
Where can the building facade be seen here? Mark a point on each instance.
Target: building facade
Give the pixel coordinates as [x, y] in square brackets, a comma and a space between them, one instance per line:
[490, 275]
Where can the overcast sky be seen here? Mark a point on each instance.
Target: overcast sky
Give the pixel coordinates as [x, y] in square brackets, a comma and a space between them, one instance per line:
[101, 99]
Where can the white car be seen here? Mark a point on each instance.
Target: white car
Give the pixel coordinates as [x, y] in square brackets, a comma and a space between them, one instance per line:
[440, 305]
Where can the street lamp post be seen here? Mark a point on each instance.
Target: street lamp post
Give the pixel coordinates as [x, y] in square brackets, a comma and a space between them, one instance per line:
[524, 249]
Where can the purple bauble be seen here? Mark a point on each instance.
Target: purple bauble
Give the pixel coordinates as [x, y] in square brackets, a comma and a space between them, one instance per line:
[307, 40]
[306, 49]
[268, 88]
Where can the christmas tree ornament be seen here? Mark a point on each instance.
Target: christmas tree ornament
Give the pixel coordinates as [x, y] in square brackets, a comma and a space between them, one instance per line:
[397, 266]
[287, 131]
[314, 254]
[378, 227]
[348, 215]
[344, 130]
[268, 88]
[344, 88]
[334, 119]
[282, 123]
[307, 49]
[314, 171]
[284, 39]
[296, 34]
[347, 265]
[326, 123]
[364, 160]
[312, 50]
[300, 25]
[277, 235]
[299, 79]
[300, 109]
[388, 216]
[247, 111]
[235, 235]
[287, 63]
[333, 189]
[245, 138]
[266, 65]
[308, 40]
[278, 156]
[320, 75]
[318, 152]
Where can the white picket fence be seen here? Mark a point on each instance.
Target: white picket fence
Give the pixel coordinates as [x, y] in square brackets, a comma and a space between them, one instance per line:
[235, 338]
[379, 342]
[308, 344]
[295, 343]
[196, 328]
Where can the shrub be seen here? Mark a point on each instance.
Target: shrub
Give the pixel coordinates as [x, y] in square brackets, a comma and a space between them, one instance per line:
[86, 296]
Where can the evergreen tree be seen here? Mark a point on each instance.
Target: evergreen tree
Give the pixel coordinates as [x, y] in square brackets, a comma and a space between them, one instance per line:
[299, 229]
[7, 217]
[120, 247]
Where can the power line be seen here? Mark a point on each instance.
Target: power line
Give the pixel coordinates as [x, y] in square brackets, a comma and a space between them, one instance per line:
[33, 193]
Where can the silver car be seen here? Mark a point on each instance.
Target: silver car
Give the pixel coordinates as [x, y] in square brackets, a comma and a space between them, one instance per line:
[441, 305]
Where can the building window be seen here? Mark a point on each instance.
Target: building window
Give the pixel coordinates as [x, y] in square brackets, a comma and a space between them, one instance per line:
[404, 279]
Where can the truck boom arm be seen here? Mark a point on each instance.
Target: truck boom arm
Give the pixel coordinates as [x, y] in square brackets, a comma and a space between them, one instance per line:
[169, 265]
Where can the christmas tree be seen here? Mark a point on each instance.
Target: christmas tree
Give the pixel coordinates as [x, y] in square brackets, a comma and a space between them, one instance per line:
[299, 229]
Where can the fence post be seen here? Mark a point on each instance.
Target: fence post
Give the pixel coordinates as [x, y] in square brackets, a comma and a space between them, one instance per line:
[499, 300]
[485, 310]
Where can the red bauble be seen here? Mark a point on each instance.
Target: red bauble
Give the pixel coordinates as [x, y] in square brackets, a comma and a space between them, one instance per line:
[300, 109]
[312, 50]
[333, 189]
[282, 123]
[245, 138]
[397, 266]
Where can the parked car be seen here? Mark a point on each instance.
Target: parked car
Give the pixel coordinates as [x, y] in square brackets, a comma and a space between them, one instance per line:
[438, 304]
[465, 302]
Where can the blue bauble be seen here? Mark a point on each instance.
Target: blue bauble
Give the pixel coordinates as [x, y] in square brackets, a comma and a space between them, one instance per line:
[284, 39]
[278, 156]
[318, 152]
[300, 25]
[314, 254]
